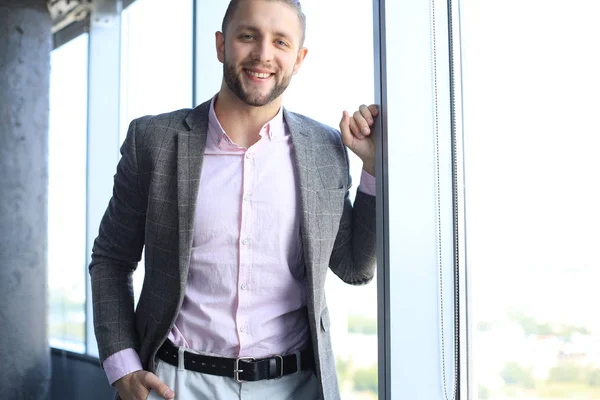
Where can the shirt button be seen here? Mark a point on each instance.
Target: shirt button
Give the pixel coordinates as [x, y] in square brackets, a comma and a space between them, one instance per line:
[243, 329]
[245, 242]
[249, 155]
[246, 198]
[244, 286]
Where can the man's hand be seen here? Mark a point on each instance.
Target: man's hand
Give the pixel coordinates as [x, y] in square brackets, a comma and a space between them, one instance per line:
[137, 386]
[356, 135]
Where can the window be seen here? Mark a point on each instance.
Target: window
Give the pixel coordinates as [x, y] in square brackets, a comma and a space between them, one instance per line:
[67, 195]
[156, 59]
[415, 229]
[531, 145]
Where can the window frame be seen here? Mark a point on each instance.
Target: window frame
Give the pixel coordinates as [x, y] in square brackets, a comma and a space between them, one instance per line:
[103, 130]
[420, 34]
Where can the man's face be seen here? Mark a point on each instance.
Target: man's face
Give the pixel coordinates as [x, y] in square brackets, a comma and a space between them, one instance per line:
[260, 50]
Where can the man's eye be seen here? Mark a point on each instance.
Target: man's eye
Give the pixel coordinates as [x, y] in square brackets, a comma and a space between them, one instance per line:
[282, 43]
[247, 37]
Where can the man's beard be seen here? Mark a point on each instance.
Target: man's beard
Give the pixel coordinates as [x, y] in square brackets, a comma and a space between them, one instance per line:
[253, 97]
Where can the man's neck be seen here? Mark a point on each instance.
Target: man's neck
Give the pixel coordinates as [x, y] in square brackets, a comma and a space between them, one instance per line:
[242, 122]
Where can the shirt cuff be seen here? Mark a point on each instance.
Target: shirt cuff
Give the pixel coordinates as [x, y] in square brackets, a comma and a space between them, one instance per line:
[367, 183]
[120, 364]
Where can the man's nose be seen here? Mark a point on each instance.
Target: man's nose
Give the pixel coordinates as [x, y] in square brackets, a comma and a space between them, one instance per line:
[263, 51]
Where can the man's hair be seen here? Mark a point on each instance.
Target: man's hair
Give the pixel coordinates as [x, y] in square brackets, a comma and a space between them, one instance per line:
[233, 5]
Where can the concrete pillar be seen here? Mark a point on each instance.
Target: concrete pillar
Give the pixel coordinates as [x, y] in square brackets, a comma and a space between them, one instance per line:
[25, 45]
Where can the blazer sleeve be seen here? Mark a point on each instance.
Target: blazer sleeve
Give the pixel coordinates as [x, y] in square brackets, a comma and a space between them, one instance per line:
[116, 253]
[353, 256]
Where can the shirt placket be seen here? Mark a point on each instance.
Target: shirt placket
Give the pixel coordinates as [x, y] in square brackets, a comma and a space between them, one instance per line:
[245, 250]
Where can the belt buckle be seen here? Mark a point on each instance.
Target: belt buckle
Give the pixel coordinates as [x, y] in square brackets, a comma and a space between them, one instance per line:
[281, 362]
[237, 370]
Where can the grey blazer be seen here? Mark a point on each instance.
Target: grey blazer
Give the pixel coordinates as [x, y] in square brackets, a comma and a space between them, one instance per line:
[153, 205]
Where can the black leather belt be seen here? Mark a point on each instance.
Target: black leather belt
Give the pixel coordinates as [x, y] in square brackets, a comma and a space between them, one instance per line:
[245, 369]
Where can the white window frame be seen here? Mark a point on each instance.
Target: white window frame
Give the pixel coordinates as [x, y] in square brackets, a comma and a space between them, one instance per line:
[103, 130]
[415, 199]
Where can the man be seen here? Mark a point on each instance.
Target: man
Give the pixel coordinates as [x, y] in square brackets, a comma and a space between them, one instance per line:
[242, 206]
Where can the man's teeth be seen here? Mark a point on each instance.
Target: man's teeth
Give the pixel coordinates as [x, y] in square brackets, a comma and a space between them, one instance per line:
[259, 75]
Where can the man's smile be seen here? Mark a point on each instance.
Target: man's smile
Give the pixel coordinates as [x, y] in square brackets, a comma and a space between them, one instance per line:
[257, 75]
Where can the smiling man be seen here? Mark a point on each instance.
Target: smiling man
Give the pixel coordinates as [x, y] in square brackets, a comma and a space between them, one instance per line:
[242, 207]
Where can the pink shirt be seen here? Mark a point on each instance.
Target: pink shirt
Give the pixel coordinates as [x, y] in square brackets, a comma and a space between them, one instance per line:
[246, 289]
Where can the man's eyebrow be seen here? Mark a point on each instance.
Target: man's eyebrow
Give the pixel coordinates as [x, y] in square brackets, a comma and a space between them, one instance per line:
[283, 35]
[256, 30]
[244, 27]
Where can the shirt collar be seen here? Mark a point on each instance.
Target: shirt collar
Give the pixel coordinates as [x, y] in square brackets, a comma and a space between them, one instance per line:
[274, 128]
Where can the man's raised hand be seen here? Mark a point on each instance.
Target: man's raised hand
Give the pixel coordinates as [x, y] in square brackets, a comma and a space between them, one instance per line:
[357, 134]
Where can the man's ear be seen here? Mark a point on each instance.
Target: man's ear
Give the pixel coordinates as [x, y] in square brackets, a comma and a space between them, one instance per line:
[300, 59]
[220, 45]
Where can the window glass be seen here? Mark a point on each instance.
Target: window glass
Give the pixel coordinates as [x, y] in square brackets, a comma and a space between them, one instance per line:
[156, 66]
[337, 75]
[156, 58]
[531, 139]
[67, 195]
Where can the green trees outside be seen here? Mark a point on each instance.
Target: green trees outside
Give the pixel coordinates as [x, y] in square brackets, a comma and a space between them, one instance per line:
[515, 374]
[566, 380]
[360, 324]
[573, 373]
[365, 379]
[570, 377]
[362, 379]
[532, 327]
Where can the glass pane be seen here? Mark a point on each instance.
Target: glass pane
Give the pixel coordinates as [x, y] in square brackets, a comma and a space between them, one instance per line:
[531, 104]
[345, 73]
[156, 66]
[67, 195]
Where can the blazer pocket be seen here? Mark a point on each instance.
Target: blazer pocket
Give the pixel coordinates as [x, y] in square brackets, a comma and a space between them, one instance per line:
[325, 323]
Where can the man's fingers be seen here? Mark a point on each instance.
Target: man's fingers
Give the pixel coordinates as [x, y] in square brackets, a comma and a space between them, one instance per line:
[356, 129]
[366, 114]
[362, 124]
[373, 110]
[153, 382]
[369, 113]
[359, 125]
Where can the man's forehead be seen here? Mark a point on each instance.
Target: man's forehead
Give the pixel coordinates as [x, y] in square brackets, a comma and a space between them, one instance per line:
[246, 4]
[254, 19]
[293, 2]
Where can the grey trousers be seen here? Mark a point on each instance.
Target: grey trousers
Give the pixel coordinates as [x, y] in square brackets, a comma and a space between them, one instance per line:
[196, 386]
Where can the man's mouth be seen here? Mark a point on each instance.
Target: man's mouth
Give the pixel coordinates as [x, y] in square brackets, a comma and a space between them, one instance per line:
[258, 75]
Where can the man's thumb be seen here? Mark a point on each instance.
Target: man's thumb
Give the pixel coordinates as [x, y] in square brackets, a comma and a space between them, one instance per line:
[345, 128]
[153, 382]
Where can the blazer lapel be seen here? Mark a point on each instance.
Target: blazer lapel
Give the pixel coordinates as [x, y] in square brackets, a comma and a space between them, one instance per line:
[190, 154]
[309, 182]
